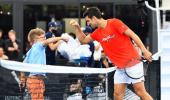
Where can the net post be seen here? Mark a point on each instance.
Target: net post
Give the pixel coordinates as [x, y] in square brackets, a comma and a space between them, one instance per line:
[106, 82]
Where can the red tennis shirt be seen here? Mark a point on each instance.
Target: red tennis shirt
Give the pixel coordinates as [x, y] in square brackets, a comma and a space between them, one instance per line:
[116, 45]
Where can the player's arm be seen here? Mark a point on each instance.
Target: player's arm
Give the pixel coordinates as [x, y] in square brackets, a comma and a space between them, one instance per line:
[53, 46]
[53, 39]
[81, 36]
[139, 43]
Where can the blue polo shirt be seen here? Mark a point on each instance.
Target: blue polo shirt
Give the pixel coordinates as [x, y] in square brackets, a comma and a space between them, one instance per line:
[36, 55]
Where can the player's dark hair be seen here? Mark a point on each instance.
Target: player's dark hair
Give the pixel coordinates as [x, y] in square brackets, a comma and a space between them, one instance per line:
[92, 11]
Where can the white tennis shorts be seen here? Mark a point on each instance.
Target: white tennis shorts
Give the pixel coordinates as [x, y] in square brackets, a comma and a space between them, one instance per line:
[121, 77]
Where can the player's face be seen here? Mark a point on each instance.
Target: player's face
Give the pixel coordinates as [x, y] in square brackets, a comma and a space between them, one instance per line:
[41, 37]
[91, 21]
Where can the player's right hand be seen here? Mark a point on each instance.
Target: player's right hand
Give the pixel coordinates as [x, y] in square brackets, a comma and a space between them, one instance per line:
[74, 22]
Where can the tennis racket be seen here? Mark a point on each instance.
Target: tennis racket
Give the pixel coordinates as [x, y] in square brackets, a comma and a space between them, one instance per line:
[139, 70]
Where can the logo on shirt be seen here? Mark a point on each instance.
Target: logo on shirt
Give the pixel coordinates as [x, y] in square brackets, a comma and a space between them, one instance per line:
[106, 39]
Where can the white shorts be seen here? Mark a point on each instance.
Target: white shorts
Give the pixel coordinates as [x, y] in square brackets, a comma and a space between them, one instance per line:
[121, 77]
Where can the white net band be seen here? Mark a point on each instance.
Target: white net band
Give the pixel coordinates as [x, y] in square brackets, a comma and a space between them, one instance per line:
[25, 67]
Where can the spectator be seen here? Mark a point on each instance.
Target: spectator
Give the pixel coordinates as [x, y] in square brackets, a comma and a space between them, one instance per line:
[53, 30]
[74, 51]
[1, 39]
[97, 54]
[12, 46]
[105, 62]
[2, 55]
[87, 31]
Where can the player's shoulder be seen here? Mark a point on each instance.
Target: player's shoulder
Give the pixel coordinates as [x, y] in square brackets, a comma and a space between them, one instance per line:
[38, 44]
[114, 20]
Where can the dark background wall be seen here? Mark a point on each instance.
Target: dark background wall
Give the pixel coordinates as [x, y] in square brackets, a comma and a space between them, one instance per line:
[25, 14]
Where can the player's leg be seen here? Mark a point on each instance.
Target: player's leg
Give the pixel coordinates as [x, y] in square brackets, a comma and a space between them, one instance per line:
[119, 91]
[141, 91]
[119, 84]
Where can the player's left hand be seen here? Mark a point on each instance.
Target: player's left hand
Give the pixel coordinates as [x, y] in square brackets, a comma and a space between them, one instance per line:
[147, 55]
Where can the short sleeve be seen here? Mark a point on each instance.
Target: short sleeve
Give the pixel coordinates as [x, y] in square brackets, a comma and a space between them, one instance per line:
[36, 52]
[119, 26]
[40, 46]
[25, 60]
[94, 35]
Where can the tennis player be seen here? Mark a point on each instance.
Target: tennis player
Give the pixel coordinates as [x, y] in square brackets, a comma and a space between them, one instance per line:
[36, 55]
[115, 39]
